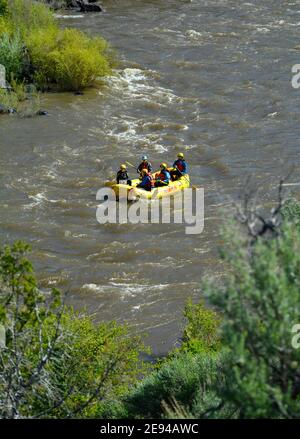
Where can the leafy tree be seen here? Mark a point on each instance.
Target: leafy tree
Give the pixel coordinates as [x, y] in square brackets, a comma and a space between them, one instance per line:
[55, 362]
[23, 313]
[260, 304]
[102, 364]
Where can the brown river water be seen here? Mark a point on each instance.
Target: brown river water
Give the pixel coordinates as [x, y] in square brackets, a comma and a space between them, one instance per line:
[209, 78]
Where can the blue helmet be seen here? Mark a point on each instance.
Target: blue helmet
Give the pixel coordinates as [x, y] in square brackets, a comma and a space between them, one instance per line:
[144, 157]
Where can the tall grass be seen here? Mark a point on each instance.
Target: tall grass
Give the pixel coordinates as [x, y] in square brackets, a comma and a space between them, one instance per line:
[60, 59]
[25, 103]
[11, 55]
[28, 15]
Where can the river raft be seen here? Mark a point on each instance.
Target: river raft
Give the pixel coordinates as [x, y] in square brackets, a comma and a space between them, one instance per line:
[133, 193]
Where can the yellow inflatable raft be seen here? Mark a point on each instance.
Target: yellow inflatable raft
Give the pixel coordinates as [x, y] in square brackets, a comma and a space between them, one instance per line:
[133, 193]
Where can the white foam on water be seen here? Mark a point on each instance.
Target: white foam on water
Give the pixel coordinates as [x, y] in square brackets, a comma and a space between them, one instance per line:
[39, 199]
[194, 34]
[263, 30]
[134, 84]
[65, 17]
[196, 38]
[139, 87]
[124, 289]
[160, 148]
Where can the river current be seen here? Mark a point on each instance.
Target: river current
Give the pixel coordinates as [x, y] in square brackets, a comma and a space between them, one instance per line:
[209, 78]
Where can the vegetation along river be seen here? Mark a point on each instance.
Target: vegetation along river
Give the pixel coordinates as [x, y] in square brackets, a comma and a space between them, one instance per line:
[209, 78]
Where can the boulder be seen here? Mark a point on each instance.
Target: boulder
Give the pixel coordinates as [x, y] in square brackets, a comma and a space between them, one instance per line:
[3, 109]
[72, 4]
[85, 6]
[42, 113]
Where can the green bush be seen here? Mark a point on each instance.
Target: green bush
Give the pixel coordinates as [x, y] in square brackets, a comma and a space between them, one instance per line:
[11, 55]
[32, 46]
[5, 26]
[54, 362]
[202, 332]
[291, 212]
[67, 59]
[27, 15]
[185, 381]
[102, 354]
[260, 303]
[25, 102]
[8, 100]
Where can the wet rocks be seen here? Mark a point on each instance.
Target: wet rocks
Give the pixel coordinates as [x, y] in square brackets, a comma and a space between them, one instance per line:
[7, 110]
[89, 6]
[42, 113]
[83, 5]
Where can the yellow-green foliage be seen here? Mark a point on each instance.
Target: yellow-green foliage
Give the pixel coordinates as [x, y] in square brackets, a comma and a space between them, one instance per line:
[63, 59]
[26, 104]
[59, 362]
[101, 359]
[6, 26]
[27, 15]
[8, 100]
[67, 59]
[201, 333]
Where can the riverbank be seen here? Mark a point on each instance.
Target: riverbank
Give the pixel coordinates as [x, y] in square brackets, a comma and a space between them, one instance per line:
[35, 51]
[76, 5]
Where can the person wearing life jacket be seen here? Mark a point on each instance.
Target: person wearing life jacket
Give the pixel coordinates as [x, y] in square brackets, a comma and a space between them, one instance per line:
[147, 180]
[145, 164]
[180, 167]
[122, 176]
[163, 177]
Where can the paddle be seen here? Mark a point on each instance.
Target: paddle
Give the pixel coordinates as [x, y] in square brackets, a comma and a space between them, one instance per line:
[130, 164]
[163, 182]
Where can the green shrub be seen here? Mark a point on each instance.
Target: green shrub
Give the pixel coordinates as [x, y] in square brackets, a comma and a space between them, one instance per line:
[6, 27]
[27, 15]
[104, 354]
[54, 362]
[26, 103]
[8, 100]
[260, 303]
[32, 46]
[67, 59]
[201, 333]
[11, 55]
[291, 212]
[186, 381]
